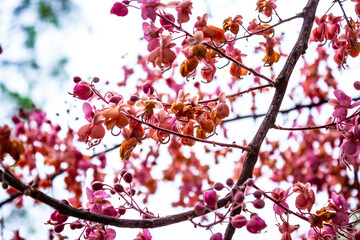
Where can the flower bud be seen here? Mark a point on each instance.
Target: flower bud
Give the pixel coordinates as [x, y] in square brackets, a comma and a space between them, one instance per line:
[199, 208]
[122, 210]
[239, 197]
[229, 182]
[249, 182]
[97, 185]
[119, 9]
[119, 188]
[238, 221]
[59, 228]
[216, 236]
[218, 186]
[82, 91]
[257, 194]
[210, 198]
[259, 203]
[148, 88]
[77, 79]
[128, 177]
[115, 99]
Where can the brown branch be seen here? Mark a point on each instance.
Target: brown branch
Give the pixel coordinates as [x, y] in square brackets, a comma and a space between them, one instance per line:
[238, 93]
[270, 27]
[282, 80]
[297, 107]
[51, 177]
[346, 18]
[315, 127]
[10, 199]
[230, 145]
[65, 209]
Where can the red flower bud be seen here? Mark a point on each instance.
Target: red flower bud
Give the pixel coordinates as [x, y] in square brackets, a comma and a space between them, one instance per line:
[82, 91]
[238, 221]
[210, 198]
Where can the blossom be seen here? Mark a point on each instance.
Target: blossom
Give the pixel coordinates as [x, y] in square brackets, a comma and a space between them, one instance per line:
[255, 224]
[144, 235]
[119, 9]
[280, 195]
[306, 198]
[341, 104]
[100, 234]
[266, 7]
[210, 198]
[82, 90]
[318, 34]
[97, 200]
[148, 9]
[163, 56]
[184, 10]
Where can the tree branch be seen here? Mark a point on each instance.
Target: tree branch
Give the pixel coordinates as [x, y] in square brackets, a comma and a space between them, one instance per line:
[66, 209]
[282, 80]
[231, 145]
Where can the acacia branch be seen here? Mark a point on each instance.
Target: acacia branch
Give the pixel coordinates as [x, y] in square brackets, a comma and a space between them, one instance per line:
[270, 27]
[238, 93]
[230, 145]
[297, 107]
[68, 210]
[282, 80]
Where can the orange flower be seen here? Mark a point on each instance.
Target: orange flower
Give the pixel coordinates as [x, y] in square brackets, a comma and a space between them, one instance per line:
[13, 147]
[271, 55]
[266, 7]
[113, 117]
[188, 66]
[214, 33]
[126, 148]
[232, 25]
[163, 56]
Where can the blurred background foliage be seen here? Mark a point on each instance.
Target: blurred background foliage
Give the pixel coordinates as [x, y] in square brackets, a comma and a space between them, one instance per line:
[23, 23]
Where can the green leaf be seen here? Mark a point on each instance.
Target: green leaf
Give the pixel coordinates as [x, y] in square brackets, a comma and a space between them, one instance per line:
[30, 36]
[24, 102]
[46, 13]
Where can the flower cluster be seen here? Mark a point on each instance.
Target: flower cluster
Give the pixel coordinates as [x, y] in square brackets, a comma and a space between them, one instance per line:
[98, 202]
[344, 44]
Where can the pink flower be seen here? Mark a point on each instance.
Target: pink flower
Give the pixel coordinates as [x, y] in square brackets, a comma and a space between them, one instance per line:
[184, 10]
[255, 224]
[280, 195]
[286, 229]
[145, 235]
[349, 148]
[341, 104]
[119, 9]
[163, 56]
[97, 201]
[210, 198]
[148, 9]
[152, 35]
[216, 236]
[100, 234]
[306, 198]
[324, 233]
[82, 90]
[318, 34]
